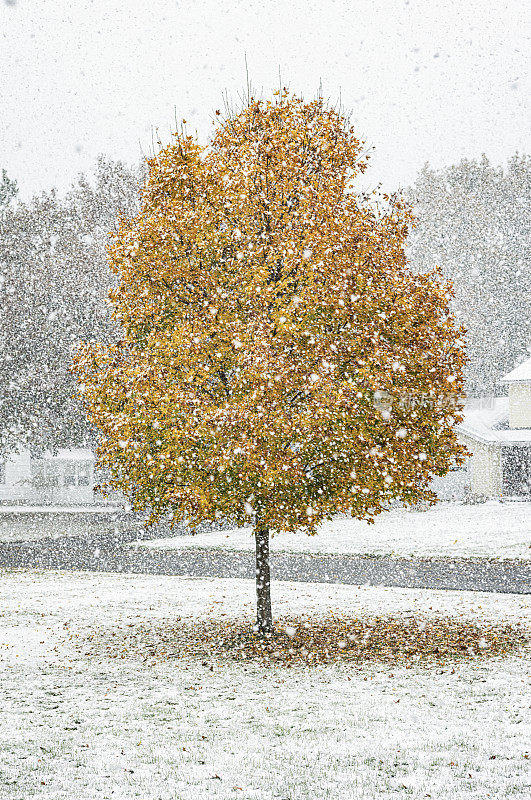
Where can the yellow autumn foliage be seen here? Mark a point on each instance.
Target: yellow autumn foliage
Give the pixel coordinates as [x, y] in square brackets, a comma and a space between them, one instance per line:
[278, 358]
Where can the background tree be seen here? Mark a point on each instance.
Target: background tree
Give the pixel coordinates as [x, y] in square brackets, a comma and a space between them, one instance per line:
[8, 190]
[54, 285]
[474, 221]
[278, 362]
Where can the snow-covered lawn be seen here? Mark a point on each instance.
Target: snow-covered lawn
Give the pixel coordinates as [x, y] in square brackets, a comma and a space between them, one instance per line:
[488, 530]
[77, 727]
[30, 524]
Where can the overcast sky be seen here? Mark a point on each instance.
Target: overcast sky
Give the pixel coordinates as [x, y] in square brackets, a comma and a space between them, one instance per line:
[427, 80]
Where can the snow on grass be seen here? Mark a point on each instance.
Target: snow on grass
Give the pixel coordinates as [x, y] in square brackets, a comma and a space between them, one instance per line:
[489, 530]
[30, 527]
[73, 726]
[49, 510]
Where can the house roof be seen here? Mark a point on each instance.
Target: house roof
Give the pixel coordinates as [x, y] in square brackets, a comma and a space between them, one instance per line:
[520, 373]
[487, 421]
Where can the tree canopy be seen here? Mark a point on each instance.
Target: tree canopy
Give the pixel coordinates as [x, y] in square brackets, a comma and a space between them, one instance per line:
[8, 190]
[473, 220]
[54, 282]
[279, 362]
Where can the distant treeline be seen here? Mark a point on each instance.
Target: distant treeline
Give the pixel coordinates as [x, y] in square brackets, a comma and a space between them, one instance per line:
[473, 221]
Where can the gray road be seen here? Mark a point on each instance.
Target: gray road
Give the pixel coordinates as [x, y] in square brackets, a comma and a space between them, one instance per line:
[107, 551]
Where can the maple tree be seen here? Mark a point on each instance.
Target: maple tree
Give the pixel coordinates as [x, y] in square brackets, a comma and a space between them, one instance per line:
[279, 362]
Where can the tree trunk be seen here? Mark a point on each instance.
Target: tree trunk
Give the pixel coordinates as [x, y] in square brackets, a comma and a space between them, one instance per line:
[263, 582]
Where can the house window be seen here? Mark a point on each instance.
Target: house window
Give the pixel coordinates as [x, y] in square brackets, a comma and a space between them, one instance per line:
[77, 473]
[70, 474]
[44, 474]
[83, 473]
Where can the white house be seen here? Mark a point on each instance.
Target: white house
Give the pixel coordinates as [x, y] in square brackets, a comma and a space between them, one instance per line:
[497, 432]
[64, 479]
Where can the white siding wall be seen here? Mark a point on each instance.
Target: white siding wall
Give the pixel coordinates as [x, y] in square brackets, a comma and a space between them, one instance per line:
[520, 405]
[28, 481]
[16, 485]
[485, 468]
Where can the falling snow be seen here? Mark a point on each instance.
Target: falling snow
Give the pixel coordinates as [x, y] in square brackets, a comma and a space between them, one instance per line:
[243, 549]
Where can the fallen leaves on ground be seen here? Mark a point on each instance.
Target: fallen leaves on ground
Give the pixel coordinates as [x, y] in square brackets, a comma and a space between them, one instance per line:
[405, 640]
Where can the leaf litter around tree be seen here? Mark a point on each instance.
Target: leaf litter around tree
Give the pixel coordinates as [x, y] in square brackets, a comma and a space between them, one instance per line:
[306, 641]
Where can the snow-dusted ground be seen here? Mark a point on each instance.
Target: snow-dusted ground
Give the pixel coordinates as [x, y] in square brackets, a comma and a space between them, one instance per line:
[74, 728]
[19, 510]
[29, 528]
[498, 530]
[31, 523]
